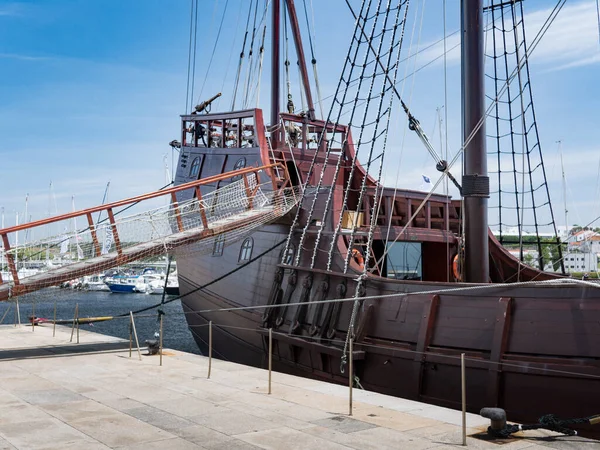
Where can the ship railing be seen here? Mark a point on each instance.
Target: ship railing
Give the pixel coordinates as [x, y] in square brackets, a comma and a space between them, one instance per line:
[100, 238]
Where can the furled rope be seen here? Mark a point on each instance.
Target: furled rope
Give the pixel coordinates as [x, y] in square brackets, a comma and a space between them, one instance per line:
[548, 422]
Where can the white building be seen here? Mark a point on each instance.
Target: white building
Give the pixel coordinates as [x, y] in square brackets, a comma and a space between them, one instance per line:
[581, 262]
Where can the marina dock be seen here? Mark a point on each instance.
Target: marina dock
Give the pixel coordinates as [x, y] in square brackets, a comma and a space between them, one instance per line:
[55, 394]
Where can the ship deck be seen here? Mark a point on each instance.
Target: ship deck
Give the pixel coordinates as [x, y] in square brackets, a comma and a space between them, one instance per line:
[57, 394]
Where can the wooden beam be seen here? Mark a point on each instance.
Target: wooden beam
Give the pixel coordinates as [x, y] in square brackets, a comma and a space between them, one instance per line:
[11, 259]
[177, 213]
[94, 235]
[111, 218]
[499, 343]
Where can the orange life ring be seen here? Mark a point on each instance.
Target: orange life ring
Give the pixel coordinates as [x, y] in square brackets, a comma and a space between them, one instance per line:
[456, 268]
[358, 258]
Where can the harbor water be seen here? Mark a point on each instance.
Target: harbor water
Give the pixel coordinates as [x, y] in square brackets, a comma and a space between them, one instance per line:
[176, 334]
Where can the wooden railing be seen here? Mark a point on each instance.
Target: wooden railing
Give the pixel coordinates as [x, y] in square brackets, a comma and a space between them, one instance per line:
[109, 209]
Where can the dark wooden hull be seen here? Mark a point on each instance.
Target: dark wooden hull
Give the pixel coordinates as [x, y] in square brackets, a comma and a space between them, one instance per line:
[532, 350]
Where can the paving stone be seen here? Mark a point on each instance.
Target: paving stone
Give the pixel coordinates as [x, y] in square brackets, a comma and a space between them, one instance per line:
[347, 439]
[120, 430]
[158, 418]
[83, 409]
[191, 407]
[40, 397]
[283, 438]
[234, 422]
[39, 434]
[165, 444]
[21, 412]
[234, 444]
[4, 445]
[344, 424]
[203, 436]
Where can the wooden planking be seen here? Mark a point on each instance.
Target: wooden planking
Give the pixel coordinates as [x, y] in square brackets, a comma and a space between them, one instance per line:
[430, 310]
[499, 344]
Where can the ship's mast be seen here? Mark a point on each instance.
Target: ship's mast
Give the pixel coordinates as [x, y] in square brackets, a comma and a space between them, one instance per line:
[301, 59]
[475, 181]
[275, 68]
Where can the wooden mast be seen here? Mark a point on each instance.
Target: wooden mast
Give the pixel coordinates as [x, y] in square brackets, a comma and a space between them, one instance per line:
[275, 70]
[475, 181]
[301, 59]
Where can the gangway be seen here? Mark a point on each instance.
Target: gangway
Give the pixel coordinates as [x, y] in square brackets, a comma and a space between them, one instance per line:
[242, 204]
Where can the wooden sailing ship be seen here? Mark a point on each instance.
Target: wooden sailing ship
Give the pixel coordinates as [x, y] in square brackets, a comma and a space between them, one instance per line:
[532, 340]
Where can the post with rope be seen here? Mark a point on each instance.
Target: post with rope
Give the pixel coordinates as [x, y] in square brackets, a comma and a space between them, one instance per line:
[137, 343]
[160, 338]
[209, 348]
[270, 356]
[75, 315]
[161, 312]
[130, 336]
[54, 320]
[17, 313]
[463, 385]
[350, 373]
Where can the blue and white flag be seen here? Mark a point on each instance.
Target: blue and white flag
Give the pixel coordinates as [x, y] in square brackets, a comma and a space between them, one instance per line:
[64, 242]
[108, 241]
[426, 179]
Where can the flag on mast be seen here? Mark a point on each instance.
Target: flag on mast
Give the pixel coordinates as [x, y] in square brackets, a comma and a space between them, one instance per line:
[108, 240]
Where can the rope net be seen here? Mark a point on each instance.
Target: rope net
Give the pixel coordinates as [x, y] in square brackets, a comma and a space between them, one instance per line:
[520, 207]
[363, 100]
[229, 213]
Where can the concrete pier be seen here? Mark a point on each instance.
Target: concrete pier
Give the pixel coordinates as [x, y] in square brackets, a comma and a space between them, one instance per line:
[59, 395]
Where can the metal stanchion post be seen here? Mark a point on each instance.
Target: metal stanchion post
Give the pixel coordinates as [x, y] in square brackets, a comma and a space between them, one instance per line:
[270, 356]
[464, 398]
[54, 321]
[160, 339]
[350, 374]
[74, 318]
[130, 335]
[137, 343]
[209, 347]
[18, 312]
[78, 326]
[33, 316]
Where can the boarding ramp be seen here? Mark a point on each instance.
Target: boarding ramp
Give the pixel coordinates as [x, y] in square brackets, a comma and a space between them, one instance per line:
[227, 213]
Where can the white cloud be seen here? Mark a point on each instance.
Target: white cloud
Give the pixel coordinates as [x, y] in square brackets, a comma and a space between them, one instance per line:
[23, 57]
[571, 40]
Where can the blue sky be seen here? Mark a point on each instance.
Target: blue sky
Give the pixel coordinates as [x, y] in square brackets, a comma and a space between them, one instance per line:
[91, 92]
